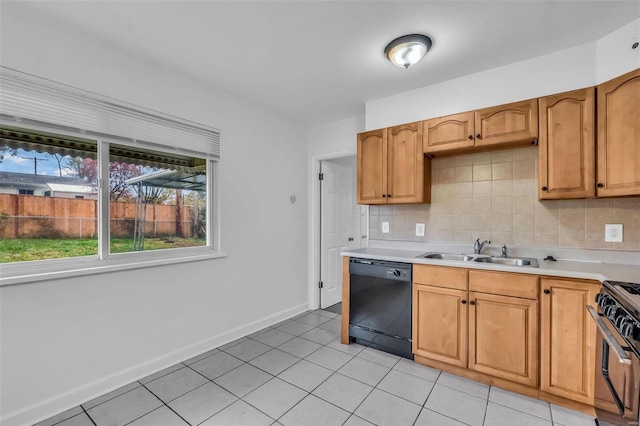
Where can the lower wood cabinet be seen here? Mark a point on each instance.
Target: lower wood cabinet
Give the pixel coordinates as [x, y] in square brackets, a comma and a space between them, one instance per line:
[526, 333]
[568, 339]
[503, 337]
[445, 315]
[495, 334]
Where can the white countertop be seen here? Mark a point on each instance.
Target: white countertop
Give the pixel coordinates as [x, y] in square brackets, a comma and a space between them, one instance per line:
[590, 270]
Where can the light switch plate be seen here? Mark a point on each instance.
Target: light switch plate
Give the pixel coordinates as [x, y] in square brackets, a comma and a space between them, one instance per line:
[419, 229]
[385, 227]
[613, 233]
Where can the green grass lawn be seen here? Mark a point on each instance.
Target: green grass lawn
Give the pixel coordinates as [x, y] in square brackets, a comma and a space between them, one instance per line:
[20, 250]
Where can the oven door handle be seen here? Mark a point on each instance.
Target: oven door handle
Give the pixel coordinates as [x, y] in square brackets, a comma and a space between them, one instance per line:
[608, 337]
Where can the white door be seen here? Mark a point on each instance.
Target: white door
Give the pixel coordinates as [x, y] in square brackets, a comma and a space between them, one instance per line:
[339, 224]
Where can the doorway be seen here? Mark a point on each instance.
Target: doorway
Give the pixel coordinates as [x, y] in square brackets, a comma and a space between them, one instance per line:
[342, 223]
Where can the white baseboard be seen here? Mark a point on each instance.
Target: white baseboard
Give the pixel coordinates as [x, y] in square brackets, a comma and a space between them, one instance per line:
[42, 410]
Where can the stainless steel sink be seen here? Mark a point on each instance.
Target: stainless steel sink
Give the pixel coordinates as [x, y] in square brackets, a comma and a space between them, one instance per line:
[511, 261]
[448, 256]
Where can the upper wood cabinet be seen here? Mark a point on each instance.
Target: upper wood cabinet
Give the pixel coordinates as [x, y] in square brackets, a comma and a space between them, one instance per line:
[618, 144]
[567, 145]
[488, 128]
[372, 167]
[568, 338]
[507, 124]
[392, 168]
[448, 133]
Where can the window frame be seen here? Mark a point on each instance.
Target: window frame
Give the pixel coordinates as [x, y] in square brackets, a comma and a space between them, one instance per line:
[15, 273]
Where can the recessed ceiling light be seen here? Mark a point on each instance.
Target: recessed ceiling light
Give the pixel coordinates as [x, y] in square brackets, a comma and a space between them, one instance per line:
[407, 50]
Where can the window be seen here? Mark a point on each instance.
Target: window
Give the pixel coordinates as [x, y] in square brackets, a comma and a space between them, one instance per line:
[108, 179]
[155, 205]
[52, 224]
[157, 200]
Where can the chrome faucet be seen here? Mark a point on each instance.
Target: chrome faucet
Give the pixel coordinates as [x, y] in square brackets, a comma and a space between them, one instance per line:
[504, 250]
[477, 245]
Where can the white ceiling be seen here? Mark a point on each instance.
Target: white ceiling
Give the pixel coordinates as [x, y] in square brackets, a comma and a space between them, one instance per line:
[317, 61]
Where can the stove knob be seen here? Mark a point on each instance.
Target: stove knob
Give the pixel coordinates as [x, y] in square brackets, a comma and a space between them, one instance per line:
[605, 301]
[611, 311]
[620, 320]
[627, 329]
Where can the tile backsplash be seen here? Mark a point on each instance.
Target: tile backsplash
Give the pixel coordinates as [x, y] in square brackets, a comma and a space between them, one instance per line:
[493, 196]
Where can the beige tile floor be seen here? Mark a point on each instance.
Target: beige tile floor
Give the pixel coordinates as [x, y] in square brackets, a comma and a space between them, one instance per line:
[297, 373]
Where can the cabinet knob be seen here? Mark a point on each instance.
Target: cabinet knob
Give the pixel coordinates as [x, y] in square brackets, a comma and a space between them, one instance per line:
[388, 195]
[544, 188]
[547, 291]
[464, 302]
[470, 137]
[472, 302]
[478, 136]
[600, 185]
[384, 195]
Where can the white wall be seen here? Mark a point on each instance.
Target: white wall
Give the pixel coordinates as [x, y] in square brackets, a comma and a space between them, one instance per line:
[65, 341]
[553, 73]
[582, 66]
[614, 53]
[325, 141]
[335, 137]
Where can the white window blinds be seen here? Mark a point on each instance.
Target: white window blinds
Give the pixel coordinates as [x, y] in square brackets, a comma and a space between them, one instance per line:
[27, 99]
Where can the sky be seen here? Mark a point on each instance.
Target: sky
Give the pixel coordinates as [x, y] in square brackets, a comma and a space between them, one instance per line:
[23, 162]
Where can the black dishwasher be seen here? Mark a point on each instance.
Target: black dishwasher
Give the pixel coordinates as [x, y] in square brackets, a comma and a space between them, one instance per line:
[380, 305]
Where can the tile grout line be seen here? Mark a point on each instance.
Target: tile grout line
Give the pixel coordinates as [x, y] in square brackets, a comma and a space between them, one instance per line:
[85, 412]
[166, 404]
[486, 407]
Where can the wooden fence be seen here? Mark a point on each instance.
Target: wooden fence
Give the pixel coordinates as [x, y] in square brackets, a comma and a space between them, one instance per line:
[28, 216]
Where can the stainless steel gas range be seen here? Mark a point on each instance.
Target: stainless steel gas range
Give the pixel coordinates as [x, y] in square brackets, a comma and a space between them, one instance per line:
[617, 381]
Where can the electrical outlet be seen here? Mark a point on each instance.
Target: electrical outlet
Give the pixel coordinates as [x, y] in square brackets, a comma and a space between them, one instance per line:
[613, 233]
[385, 227]
[419, 229]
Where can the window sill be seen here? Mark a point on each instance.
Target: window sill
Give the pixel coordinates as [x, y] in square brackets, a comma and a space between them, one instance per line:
[29, 272]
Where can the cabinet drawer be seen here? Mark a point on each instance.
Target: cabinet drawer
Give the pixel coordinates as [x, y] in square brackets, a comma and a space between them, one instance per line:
[440, 276]
[504, 283]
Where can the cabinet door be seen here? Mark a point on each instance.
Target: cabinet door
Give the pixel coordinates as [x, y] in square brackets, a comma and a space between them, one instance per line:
[405, 164]
[448, 133]
[440, 324]
[372, 167]
[567, 145]
[568, 338]
[619, 136]
[503, 337]
[507, 124]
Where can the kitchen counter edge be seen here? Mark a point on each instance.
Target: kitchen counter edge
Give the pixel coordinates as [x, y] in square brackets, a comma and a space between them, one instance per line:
[599, 271]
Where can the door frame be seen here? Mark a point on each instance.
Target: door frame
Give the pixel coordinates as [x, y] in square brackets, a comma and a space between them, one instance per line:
[314, 224]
